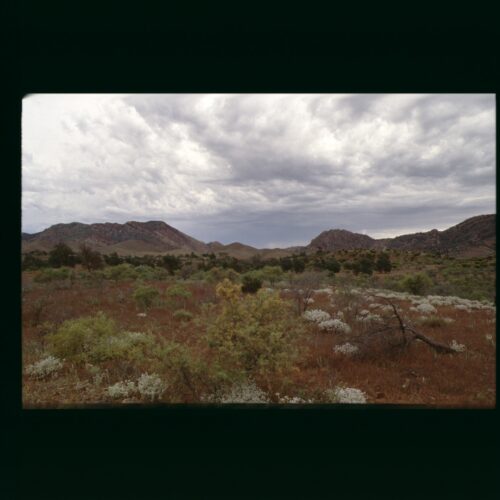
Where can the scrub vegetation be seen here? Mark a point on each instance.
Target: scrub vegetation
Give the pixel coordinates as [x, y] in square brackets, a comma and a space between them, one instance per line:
[349, 327]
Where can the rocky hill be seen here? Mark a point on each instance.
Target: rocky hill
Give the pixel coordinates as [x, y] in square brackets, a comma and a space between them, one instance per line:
[340, 239]
[131, 237]
[473, 237]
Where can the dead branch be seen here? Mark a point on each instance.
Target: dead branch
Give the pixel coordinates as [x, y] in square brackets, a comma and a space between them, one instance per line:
[437, 346]
[405, 328]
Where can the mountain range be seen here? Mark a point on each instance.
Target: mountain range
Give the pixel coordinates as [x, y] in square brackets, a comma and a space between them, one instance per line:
[473, 237]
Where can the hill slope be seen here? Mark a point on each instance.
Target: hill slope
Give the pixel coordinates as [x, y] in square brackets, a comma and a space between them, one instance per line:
[473, 237]
[131, 237]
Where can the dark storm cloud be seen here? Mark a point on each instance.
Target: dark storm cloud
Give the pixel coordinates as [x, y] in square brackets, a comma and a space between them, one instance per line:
[266, 170]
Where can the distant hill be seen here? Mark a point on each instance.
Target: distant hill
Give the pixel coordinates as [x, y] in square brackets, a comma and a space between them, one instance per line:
[473, 237]
[129, 238]
[340, 239]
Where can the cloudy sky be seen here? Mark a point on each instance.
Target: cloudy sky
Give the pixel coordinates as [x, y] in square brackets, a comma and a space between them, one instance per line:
[262, 169]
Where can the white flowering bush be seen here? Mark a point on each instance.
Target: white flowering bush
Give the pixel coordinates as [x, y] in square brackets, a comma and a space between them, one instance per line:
[462, 307]
[386, 308]
[346, 349]
[369, 318]
[245, 392]
[336, 325]
[348, 395]
[340, 315]
[45, 367]
[309, 301]
[150, 386]
[457, 347]
[293, 400]
[122, 389]
[426, 308]
[316, 315]
[328, 291]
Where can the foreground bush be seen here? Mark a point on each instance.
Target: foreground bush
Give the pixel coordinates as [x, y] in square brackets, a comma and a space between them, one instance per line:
[253, 334]
[45, 367]
[95, 339]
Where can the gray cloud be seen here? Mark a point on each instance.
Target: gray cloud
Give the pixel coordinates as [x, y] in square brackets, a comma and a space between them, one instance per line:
[263, 169]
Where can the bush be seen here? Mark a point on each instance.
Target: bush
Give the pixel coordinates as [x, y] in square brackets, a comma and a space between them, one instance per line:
[32, 263]
[251, 283]
[145, 296]
[183, 315]
[62, 255]
[120, 272]
[48, 275]
[150, 386]
[216, 275]
[95, 339]
[171, 263]
[45, 367]
[383, 263]
[145, 272]
[272, 274]
[417, 284]
[253, 334]
[178, 292]
[90, 259]
[122, 389]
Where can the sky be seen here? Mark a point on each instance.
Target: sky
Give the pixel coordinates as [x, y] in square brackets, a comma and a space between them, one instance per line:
[268, 170]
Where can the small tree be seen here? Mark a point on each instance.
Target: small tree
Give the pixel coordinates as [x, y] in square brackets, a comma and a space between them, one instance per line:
[330, 264]
[113, 259]
[171, 263]
[91, 259]
[383, 263]
[61, 255]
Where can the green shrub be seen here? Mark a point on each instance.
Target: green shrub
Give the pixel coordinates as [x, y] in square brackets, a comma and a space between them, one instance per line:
[178, 293]
[183, 315]
[253, 334]
[251, 284]
[95, 339]
[216, 275]
[145, 272]
[120, 272]
[383, 263]
[272, 274]
[61, 255]
[145, 296]
[417, 284]
[49, 274]
[90, 259]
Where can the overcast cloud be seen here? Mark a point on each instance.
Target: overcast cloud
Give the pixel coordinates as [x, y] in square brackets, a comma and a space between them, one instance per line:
[263, 169]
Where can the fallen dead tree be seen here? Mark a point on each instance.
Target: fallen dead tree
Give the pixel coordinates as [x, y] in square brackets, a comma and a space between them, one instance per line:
[406, 332]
